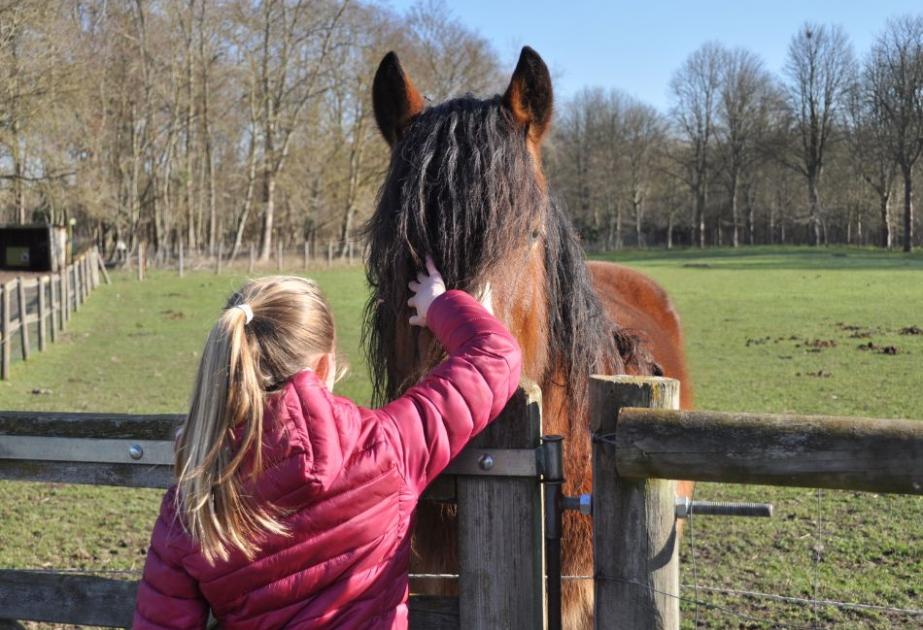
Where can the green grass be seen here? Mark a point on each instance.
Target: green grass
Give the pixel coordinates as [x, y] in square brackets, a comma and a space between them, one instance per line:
[758, 327]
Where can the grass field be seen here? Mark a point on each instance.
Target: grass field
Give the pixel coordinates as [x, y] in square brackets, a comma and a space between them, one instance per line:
[766, 329]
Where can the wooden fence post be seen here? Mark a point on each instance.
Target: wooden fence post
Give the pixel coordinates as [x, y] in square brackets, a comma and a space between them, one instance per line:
[140, 261]
[279, 255]
[500, 529]
[305, 246]
[635, 546]
[5, 331]
[252, 259]
[23, 318]
[55, 321]
[40, 285]
[66, 292]
[78, 290]
[219, 257]
[94, 266]
[101, 264]
[182, 261]
[329, 253]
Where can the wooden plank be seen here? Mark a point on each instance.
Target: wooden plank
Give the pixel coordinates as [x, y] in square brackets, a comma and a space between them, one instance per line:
[140, 261]
[23, 313]
[40, 285]
[66, 598]
[433, 613]
[874, 455]
[90, 425]
[101, 601]
[5, 332]
[635, 545]
[500, 530]
[182, 262]
[101, 264]
[88, 473]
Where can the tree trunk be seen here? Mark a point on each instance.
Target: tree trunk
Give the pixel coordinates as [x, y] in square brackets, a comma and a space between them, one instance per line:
[885, 233]
[814, 199]
[700, 199]
[18, 172]
[735, 218]
[268, 212]
[619, 240]
[908, 207]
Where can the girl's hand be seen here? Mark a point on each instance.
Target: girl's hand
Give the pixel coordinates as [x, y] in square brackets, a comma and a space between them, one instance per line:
[426, 289]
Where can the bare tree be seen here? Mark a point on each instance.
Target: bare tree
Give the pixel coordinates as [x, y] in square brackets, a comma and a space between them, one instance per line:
[746, 96]
[896, 83]
[695, 91]
[867, 132]
[818, 69]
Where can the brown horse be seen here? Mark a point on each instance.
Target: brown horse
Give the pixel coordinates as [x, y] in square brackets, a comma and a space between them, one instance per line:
[465, 184]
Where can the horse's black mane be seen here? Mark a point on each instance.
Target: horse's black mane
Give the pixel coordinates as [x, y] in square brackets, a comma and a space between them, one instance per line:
[462, 187]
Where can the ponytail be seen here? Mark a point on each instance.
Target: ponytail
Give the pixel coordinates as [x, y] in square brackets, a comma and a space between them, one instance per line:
[240, 362]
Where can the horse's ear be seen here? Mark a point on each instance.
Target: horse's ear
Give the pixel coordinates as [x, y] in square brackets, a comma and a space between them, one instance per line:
[529, 95]
[395, 99]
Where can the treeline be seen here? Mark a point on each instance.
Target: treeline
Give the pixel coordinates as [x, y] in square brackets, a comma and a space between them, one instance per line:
[826, 152]
[235, 122]
[232, 122]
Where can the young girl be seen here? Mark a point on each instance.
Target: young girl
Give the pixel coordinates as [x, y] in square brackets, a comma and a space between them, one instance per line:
[293, 507]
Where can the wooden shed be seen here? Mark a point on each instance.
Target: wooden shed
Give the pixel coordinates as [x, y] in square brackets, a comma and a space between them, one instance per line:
[34, 247]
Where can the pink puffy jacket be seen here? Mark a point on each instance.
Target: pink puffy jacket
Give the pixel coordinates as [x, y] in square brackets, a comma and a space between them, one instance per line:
[351, 478]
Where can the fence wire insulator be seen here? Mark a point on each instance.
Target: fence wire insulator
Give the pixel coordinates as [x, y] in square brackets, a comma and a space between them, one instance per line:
[685, 508]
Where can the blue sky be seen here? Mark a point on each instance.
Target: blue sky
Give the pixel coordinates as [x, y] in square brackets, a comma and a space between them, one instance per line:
[635, 46]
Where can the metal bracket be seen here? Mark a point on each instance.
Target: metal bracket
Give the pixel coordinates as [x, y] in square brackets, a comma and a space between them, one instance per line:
[497, 462]
[685, 508]
[99, 451]
[582, 503]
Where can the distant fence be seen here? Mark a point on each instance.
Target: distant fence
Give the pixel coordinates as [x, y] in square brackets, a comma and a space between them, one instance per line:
[311, 254]
[507, 486]
[46, 301]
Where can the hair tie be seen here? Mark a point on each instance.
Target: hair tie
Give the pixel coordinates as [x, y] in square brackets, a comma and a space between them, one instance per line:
[248, 312]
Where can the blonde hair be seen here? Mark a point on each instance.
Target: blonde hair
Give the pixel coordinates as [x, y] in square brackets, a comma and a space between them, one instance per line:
[241, 364]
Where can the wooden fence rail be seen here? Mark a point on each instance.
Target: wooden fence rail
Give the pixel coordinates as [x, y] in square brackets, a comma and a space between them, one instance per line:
[500, 542]
[641, 439]
[45, 301]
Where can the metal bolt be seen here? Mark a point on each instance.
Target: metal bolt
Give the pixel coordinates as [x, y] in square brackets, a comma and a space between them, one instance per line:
[486, 462]
[685, 507]
[135, 451]
[586, 504]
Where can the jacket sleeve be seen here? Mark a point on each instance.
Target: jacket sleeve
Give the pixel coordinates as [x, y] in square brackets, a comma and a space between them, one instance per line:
[437, 417]
[168, 597]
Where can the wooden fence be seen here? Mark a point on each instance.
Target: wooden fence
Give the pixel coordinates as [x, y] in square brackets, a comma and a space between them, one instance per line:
[46, 301]
[508, 565]
[495, 483]
[641, 439]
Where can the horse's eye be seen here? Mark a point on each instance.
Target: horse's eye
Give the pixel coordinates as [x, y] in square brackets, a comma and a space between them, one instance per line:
[536, 234]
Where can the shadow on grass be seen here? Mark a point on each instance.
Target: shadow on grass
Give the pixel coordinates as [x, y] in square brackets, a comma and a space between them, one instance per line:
[768, 257]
